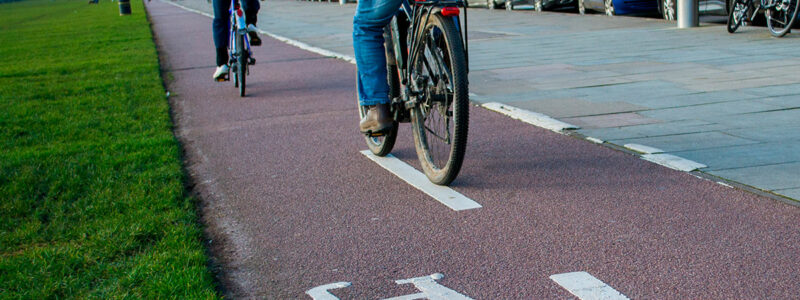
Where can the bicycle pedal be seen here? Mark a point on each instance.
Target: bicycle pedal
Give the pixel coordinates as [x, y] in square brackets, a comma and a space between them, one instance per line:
[223, 78]
[251, 61]
[375, 134]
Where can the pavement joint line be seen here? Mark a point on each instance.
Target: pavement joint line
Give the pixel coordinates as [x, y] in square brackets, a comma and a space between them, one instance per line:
[643, 148]
[445, 195]
[585, 286]
[533, 118]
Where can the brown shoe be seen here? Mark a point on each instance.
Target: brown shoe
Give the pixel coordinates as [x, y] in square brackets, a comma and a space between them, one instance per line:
[377, 121]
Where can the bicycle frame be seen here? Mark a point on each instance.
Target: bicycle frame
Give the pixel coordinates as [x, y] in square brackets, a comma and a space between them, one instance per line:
[417, 16]
[237, 26]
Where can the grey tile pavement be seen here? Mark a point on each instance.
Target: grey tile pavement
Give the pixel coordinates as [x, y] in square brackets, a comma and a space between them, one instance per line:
[771, 177]
[729, 101]
[750, 155]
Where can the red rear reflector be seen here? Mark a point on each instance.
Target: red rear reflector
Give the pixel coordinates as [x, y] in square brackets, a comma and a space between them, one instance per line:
[239, 12]
[450, 11]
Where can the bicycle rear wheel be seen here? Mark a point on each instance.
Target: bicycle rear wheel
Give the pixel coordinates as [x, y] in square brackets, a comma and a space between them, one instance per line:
[241, 62]
[781, 17]
[737, 15]
[382, 145]
[440, 121]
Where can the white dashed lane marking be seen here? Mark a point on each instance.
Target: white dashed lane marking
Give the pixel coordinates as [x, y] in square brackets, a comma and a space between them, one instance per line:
[447, 196]
[530, 117]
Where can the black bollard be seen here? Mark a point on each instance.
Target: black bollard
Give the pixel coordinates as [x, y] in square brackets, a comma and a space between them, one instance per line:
[124, 7]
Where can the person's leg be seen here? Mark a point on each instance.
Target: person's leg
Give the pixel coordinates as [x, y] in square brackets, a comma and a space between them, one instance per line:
[251, 8]
[221, 29]
[370, 19]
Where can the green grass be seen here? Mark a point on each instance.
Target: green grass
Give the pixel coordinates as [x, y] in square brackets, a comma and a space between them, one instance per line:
[92, 200]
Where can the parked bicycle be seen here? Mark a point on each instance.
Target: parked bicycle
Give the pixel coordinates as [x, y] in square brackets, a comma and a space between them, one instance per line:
[780, 14]
[427, 62]
[239, 48]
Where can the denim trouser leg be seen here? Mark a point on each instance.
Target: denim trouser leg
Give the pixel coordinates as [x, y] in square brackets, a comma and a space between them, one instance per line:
[371, 17]
[220, 27]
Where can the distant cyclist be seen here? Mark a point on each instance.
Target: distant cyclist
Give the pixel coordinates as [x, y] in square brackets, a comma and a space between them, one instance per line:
[221, 30]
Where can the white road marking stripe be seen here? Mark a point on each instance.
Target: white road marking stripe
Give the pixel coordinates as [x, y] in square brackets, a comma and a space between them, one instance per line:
[643, 149]
[189, 9]
[321, 292]
[724, 184]
[310, 48]
[595, 140]
[447, 196]
[587, 287]
[530, 117]
[673, 162]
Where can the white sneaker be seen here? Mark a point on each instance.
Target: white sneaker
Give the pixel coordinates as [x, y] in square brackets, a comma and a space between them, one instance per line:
[221, 73]
[252, 28]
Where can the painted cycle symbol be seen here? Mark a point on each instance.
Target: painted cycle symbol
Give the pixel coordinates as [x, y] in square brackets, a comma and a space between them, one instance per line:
[428, 288]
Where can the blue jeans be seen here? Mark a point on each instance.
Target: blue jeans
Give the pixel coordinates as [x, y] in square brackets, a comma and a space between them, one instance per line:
[222, 21]
[370, 19]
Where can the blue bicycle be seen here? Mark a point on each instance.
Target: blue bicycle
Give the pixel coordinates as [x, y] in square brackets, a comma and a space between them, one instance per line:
[239, 47]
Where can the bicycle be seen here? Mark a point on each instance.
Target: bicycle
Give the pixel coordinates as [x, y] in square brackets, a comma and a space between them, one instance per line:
[239, 48]
[780, 14]
[427, 63]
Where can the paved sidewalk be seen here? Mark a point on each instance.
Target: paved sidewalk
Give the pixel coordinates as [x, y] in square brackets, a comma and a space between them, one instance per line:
[727, 101]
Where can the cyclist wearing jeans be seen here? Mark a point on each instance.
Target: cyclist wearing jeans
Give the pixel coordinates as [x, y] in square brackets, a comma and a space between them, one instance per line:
[221, 29]
[373, 90]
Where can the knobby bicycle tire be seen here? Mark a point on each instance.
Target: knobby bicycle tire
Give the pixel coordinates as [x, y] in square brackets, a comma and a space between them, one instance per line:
[737, 14]
[452, 106]
[784, 17]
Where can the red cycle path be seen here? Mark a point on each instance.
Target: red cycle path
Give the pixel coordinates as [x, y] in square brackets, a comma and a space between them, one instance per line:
[291, 204]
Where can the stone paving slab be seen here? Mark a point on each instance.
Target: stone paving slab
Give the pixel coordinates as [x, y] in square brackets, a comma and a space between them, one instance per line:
[653, 130]
[751, 155]
[691, 141]
[623, 79]
[791, 193]
[772, 177]
[696, 112]
[571, 107]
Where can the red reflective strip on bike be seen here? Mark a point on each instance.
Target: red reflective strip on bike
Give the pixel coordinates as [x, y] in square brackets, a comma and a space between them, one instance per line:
[450, 11]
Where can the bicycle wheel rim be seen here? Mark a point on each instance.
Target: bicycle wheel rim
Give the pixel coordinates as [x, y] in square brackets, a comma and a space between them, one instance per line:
[781, 17]
[440, 121]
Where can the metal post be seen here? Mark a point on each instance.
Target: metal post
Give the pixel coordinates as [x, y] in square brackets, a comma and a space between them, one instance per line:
[688, 13]
[124, 7]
